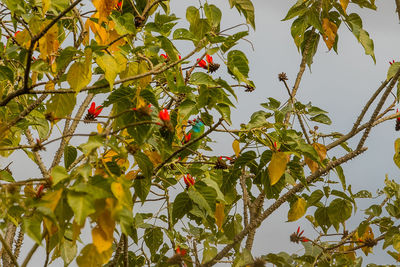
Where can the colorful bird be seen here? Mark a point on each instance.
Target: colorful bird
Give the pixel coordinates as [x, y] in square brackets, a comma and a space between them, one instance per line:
[196, 131]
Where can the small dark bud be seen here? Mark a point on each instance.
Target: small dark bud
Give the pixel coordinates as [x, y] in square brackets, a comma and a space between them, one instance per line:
[282, 77]
[249, 88]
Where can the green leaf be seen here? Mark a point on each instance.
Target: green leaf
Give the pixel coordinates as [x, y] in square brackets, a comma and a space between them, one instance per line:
[6, 74]
[32, 227]
[6, 176]
[392, 70]
[68, 250]
[238, 65]
[367, 43]
[245, 158]
[295, 11]
[144, 163]
[142, 188]
[246, 8]
[79, 76]
[183, 34]
[225, 112]
[153, 237]
[322, 217]
[70, 154]
[315, 197]
[192, 15]
[342, 178]
[200, 200]
[93, 143]
[213, 14]
[339, 210]
[61, 104]
[181, 206]
[82, 206]
[322, 118]
[199, 78]
[59, 173]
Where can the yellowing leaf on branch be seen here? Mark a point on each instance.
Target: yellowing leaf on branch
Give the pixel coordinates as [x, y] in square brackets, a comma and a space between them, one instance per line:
[219, 215]
[367, 237]
[330, 31]
[45, 6]
[111, 65]
[297, 210]
[89, 256]
[236, 147]
[23, 39]
[277, 166]
[344, 4]
[102, 234]
[321, 151]
[48, 44]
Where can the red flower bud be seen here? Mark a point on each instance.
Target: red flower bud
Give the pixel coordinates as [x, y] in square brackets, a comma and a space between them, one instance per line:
[180, 251]
[209, 59]
[95, 111]
[189, 180]
[164, 115]
[202, 64]
[391, 62]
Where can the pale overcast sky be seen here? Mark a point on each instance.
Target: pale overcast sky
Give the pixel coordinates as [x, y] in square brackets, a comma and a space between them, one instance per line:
[339, 84]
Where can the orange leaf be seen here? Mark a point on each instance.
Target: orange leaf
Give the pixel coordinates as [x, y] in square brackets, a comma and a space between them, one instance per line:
[330, 30]
[344, 4]
[321, 150]
[219, 215]
[277, 166]
[104, 8]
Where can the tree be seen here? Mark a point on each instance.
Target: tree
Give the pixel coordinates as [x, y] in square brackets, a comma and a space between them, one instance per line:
[201, 207]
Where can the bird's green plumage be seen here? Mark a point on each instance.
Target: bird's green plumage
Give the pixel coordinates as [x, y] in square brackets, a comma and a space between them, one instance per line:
[196, 131]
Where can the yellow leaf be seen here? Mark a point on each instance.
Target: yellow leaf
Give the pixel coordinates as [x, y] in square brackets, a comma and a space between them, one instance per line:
[277, 166]
[45, 6]
[219, 215]
[236, 147]
[89, 256]
[330, 30]
[297, 210]
[79, 76]
[110, 67]
[99, 128]
[100, 32]
[49, 85]
[344, 4]
[51, 199]
[143, 68]
[102, 234]
[121, 194]
[23, 38]
[48, 44]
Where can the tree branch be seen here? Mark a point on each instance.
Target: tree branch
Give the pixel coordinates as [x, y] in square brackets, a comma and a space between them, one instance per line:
[297, 188]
